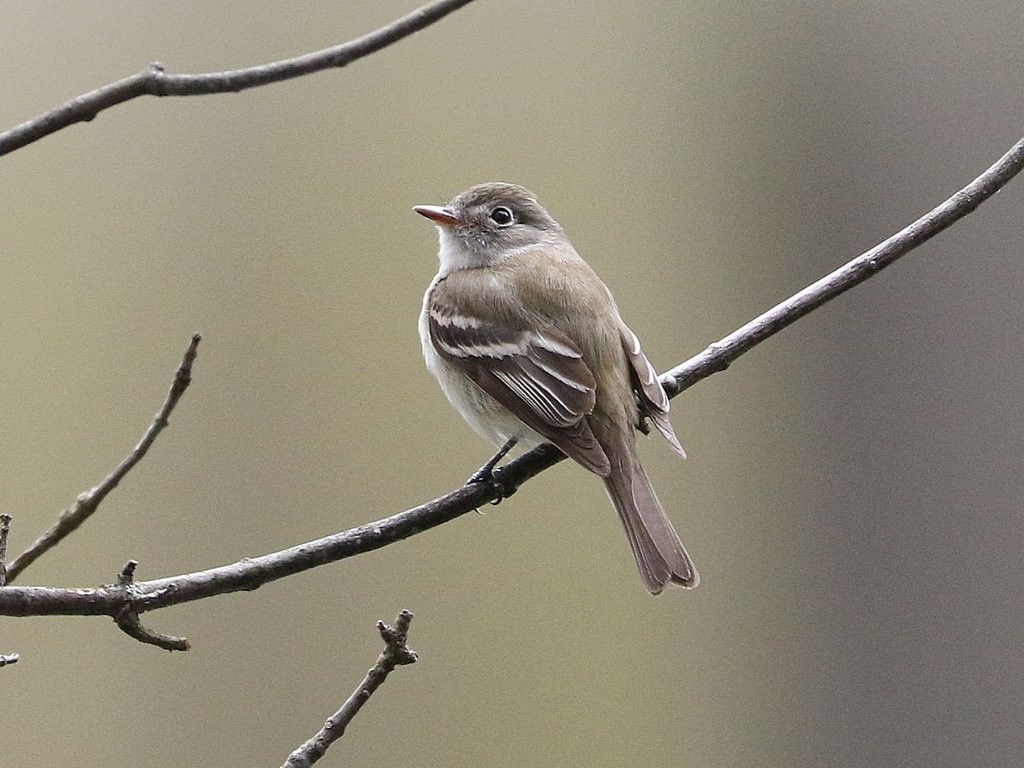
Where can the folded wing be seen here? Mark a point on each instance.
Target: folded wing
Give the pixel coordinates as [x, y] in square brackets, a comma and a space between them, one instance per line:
[651, 397]
[538, 375]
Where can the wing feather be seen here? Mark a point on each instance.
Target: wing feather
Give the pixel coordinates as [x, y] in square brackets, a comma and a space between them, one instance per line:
[538, 375]
[651, 396]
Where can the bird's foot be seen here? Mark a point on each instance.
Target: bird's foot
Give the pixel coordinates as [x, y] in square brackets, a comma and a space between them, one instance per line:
[486, 474]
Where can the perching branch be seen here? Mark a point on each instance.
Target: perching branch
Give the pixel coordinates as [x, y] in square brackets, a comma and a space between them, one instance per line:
[155, 81]
[395, 653]
[88, 502]
[252, 573]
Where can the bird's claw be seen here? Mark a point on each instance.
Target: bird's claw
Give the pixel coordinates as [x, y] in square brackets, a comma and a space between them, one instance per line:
[485, 475]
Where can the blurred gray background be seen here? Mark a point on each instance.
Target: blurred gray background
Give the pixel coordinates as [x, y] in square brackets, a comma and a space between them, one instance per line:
[853, 494]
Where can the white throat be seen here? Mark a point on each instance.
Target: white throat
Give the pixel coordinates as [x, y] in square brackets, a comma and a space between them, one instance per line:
[454, 255]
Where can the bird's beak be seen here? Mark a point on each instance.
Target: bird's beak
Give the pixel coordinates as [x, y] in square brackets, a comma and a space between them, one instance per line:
[440, 215]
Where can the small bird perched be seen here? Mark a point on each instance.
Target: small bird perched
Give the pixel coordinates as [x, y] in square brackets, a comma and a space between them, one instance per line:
[527, 344]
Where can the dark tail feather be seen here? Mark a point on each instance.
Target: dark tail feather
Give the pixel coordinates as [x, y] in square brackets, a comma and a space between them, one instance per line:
[659, 553]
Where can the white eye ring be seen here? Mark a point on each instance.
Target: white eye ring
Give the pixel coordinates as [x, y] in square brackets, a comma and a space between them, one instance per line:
[503, 216]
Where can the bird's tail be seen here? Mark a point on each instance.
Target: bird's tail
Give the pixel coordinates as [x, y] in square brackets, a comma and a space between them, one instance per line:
[659, 553]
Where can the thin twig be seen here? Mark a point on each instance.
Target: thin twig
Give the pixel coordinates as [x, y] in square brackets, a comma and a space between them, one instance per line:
[254, 572]
[155, 81]
[5, 531]
[719, 355]
[89, 502]
[395, 653]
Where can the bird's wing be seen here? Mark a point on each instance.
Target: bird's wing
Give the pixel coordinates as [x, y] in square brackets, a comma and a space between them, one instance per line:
[651, 397]
[538, 375]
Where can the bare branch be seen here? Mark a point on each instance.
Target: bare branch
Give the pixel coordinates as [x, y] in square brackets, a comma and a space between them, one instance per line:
[395, 653]
[154, 81]
[89, 502]
[719, 355]
[247, 574]
[5, 531]
[252, 573]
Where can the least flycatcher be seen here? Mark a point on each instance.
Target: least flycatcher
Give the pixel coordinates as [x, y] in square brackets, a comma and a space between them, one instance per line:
[527, 344]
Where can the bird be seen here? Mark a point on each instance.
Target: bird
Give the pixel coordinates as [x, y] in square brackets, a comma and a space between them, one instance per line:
[527, 344]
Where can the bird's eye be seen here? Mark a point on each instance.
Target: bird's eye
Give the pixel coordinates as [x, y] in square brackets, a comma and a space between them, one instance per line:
[502, 216]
